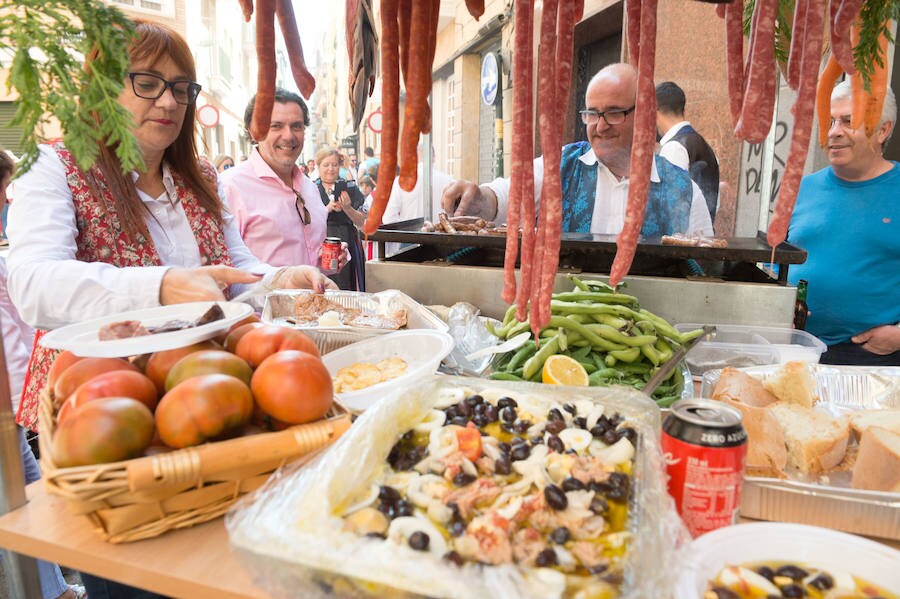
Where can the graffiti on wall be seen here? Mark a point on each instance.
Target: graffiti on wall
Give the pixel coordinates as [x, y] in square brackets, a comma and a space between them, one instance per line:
[752, 161]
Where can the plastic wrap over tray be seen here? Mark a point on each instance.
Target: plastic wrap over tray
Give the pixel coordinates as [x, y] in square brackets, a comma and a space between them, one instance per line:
[279, 309]
[841, 390]
[289, 536]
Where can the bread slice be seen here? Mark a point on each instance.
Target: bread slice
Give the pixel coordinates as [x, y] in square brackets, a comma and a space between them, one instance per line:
[739, 386]
[877, 466]
[863, 419]
[816, 442]
[793, 383]
[766, 451]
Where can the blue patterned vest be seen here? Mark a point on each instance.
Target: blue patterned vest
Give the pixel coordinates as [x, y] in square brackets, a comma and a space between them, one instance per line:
[668, 207]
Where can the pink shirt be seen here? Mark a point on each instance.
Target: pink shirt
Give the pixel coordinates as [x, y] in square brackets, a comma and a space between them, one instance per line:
[265, 212]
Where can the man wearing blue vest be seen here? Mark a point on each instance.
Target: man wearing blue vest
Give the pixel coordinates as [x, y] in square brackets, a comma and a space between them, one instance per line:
[595, 173]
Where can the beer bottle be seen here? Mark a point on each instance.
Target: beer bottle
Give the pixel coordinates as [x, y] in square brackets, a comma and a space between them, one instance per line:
[800, 308]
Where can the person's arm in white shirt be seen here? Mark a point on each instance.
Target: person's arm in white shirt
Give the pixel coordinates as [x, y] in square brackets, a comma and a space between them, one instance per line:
[500, 187]
[675, 153]
[700, 223]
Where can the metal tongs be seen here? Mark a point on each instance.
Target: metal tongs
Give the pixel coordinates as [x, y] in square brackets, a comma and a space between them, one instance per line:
[666, 369]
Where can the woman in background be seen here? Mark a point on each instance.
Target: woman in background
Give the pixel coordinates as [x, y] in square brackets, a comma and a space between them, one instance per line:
[345, 214]
[223, 163]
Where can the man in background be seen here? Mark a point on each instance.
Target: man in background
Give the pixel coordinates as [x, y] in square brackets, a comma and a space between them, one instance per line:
[369, 165]
[681, 145]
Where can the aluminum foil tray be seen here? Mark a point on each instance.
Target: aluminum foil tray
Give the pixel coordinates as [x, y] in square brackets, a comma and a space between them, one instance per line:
[831, 502]
[279, 309]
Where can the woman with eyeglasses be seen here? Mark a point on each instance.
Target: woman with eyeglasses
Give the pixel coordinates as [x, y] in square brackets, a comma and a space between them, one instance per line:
[346, 213]
[87, 244]
[223, 163]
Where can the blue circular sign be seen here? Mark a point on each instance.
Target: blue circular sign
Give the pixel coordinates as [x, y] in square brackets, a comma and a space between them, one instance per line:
[490, 78]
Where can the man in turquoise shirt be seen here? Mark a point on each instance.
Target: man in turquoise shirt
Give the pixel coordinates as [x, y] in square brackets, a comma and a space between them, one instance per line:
[847, 218]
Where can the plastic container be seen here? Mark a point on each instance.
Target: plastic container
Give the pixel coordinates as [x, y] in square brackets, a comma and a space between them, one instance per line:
[740, 346]
[422, 350]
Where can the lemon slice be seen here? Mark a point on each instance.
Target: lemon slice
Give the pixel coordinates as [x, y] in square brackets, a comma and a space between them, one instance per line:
[563, 370]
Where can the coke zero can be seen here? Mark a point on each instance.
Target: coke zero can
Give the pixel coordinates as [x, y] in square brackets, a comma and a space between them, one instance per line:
[705, 447]
[331, 254]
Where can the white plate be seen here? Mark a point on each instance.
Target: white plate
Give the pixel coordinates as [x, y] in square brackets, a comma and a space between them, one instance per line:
[81, 338]
[795, 543]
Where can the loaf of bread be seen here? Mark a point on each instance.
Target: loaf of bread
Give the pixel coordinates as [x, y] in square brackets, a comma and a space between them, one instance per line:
[863, 419]
[877, 466]
[740, 387]
[816, 442]
[766, 450]
[793, 383]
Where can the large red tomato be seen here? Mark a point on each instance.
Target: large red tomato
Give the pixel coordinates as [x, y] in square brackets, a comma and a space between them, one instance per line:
[260, 343]
[293, 386]
[60, 364]
[236, 333]
[201, 408]
[161, 362]
[102, 431]
[208, 361]
[84, 370]
[119, 383]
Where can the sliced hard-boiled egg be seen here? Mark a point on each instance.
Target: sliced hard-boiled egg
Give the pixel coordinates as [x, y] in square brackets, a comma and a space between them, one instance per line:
[576, 438]
[403, 527]
[738, 578]
[434, 419]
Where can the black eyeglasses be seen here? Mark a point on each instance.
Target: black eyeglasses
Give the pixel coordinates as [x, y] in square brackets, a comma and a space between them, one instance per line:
[304, 216]
[612, 117]
[150, 87]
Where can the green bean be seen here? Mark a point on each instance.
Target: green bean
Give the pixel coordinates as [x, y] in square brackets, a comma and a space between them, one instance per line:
[595, 296]
[662, 326]
[664, 349]
[536, 362]
[499, 361]
[685, 337]
[581, 353]
[558, 306]
[596, 283]
[522, 354]
[616, 336]
[626, 355]
[562, 341]
[577, 282]
[610, 360]
[614, 321]
[636, 368]
[505, 376]
[518, 327]
[510, 315]
[583, 330]
[604, 374]
[598, 359]
[651, 354]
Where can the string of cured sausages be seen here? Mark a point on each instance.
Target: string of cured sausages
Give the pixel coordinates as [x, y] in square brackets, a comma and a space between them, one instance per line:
[266, 11]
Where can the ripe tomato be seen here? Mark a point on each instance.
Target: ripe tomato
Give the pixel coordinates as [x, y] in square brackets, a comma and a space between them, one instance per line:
[208, 361]
[161, 362]
[84, 370]
[236, 333]
[101, 431]
[60, 364]
[201, 408]
[261, 342]
[254, 317]
[119, 383]
[293, 386]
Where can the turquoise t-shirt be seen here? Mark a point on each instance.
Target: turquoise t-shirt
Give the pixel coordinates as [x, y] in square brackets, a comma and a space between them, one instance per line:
[851, 230]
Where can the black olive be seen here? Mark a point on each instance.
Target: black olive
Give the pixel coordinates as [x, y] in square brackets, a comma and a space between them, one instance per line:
[490, 412]
[556, 444]
[619, 494]
[521, 426]
[520, 452]
[616, 420]
[580, 422]
[537, 441]
[503, 446]
[507, 427]
[408, 435]
[388, 494]
[629, 433]
[791, 571]
[459, 421]
[555, 497]
[474, 400]
[503, 465]
[598, 569]
[384, 508]
[462, 479]
[464, 409]
[599, 430]
[518, 441]
[555, 427]
[480, 420]
[507, 401]
[508, 414]
[555, 414]
[725, 593]
[457, 528]
[571, 451]
[403, 508]
[619, 479]
[452, 412]
[376, 535]
[569, 408]
[572, 484]
[419, 540]
[545, 558]
[599, 506]
[822, 582]
[560, 535]
[610, 436]
[792, 590]
[766, 572]
[599, 487]
[454, 558]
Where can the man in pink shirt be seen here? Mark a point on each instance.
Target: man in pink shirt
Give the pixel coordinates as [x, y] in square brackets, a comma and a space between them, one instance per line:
[276, 207]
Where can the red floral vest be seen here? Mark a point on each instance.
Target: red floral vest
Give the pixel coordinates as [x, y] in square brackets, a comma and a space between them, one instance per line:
[101, 239]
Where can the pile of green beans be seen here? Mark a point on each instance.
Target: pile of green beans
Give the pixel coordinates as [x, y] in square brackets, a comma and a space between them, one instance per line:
[606, 331]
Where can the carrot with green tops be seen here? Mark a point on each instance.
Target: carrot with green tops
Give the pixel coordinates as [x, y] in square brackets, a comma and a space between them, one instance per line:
[867, 104]
[827, 80]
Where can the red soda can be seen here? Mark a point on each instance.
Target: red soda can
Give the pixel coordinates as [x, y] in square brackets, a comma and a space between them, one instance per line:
[705, 447]
[331, 254]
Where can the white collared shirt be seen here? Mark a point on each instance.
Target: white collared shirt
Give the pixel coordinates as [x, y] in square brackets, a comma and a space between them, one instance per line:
[674, 151]
[610, 201]
[51, 288]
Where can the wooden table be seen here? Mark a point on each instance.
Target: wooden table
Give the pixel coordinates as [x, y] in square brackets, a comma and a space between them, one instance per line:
[193, 563]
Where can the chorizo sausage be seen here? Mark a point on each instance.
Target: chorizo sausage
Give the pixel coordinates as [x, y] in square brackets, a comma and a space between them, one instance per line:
[403, 18]
[734, 54]
[633, 15]
[390, 108]
[795, 56]
[475, 7]
[417, 89]
[803, 109]
[265, 78]
[841, 42]
[641, 148]
[759, 90]
[247, 9]
[305, 81]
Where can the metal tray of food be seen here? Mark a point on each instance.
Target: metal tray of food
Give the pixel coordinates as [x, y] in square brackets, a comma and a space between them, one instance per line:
[830, 501]
[279, 309]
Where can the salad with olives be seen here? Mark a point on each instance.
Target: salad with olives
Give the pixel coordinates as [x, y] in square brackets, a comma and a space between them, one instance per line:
[790, 580]
[489, 480]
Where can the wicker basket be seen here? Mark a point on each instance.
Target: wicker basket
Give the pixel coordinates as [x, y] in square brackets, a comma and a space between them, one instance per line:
[145, 497]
